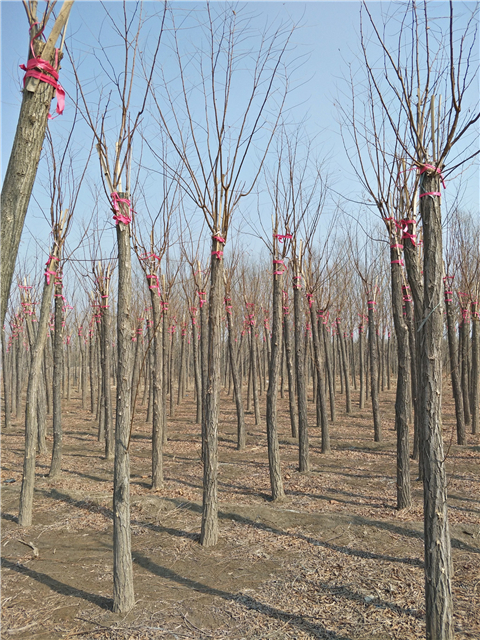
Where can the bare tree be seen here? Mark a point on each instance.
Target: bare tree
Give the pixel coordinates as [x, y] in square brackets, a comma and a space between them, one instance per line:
[237, 96]
[428, 56]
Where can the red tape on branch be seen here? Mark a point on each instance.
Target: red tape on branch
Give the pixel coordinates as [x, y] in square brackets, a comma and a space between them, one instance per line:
[282, 237]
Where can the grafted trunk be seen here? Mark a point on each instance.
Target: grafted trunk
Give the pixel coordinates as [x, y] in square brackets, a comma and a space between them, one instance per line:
[276, 481]
[438, 561]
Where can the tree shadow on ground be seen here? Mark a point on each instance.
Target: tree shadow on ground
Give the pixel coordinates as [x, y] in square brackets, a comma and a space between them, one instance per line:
[317, 630]
[56, 585]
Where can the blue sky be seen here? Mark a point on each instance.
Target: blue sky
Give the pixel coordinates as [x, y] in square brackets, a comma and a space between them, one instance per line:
[326, 42]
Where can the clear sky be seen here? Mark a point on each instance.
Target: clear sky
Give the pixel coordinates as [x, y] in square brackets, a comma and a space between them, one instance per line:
[323, 47]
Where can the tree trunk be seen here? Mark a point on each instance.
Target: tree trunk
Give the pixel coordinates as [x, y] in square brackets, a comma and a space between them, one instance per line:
[276, 480]
[475, 366]
[292, 404]
[464, 340]
[452, 350]
[157, 383]
[107, 387]
[56, 463]
[361, 358]
[438, 562]
[209, 531]
[321, 400]
[255, 378]
[377, 425]
[6, 386]
[123, 595]
[303, 448]
[28, 480]
[404, 499]
[237, 387]
[344, 367]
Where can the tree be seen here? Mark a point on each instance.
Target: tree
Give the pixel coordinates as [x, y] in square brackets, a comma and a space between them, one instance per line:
[237, 95]
[427, 58]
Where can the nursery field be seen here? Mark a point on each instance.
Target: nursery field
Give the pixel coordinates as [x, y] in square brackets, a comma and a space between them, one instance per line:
[334, 560]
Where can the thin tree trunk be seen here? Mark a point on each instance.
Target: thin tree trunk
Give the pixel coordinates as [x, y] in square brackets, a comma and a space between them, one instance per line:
[377, 425]
[292, 404]
[475, 366]
[107, 390]
[452, 349]
[404, 499]
[276, 480]
[157, 383]
[321, 400]
[6, 386]
[209, 531]
[303, 448]
[56, 462]
[123, 595]
[28, 480]
[237, 387]
[344, 367]
[361, 358]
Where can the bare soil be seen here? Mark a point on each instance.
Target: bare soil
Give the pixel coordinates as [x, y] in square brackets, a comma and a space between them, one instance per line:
[334, 560]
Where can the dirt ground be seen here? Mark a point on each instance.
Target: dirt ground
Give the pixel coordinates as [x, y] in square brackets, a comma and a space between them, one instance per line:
[334, 560]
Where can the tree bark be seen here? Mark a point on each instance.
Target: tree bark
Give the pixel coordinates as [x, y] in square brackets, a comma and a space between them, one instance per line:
[292, 404]
[438, 562]
[475, 365]
[28, 480]
[344, 367]
[237, 387]
[452, 350]
[377, 425]
[157, 382]
[123, 595]
[56, 462]
[276, 480]
[303, 447]
[209, 531]
[321, 400]
[404, 499]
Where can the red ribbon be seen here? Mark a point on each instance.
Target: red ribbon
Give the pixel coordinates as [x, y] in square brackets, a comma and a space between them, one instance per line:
[120, 217]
